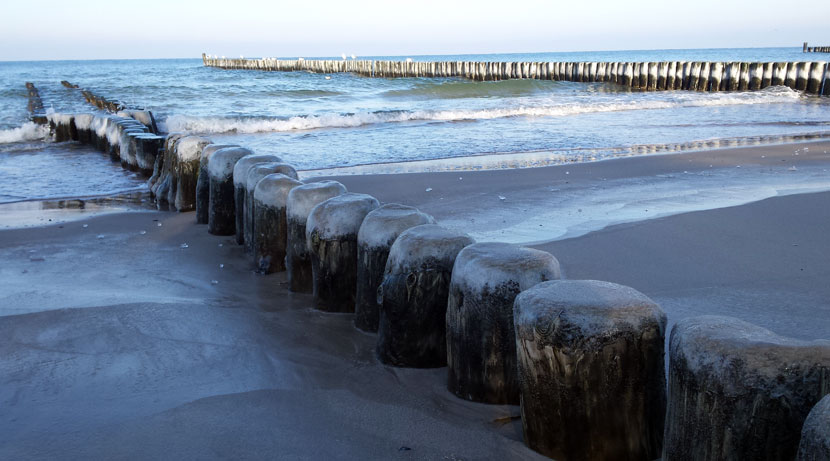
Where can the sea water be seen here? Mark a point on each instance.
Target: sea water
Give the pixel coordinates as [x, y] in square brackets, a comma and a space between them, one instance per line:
[318, 121]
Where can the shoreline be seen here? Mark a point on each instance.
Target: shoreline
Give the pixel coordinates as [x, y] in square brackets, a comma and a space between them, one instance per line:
[25, 213]
[536, 205]
[544, 158]
[170, 345]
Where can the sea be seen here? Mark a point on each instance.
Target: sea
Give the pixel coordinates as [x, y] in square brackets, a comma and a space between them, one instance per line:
[345, 123]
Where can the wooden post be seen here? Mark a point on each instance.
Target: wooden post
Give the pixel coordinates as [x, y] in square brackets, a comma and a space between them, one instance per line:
[803, 74]
[592, 373]
[766, 80]
[779, 73]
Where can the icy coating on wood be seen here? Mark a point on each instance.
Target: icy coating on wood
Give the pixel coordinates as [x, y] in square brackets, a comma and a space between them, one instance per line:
[738, 391]
[339, 216]
[411, 249]
[382, 226]
[222, 162]
[190, 148]
[815, 436]
[208, 152]
[591, 370]
[594, 308]
[258, 171]
[488, 265]
[412, 298]
[481, 346]
[83, 121]
[240, 170]
[303, 199]
[273, 189]
[711, 344]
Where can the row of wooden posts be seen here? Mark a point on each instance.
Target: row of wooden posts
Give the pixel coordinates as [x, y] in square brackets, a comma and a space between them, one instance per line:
[809, 77]
[583, 359]
[816, 49]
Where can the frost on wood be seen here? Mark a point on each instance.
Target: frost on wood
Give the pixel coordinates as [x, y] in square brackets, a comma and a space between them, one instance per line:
[269, 237]
[244, 196]
[331, 236]
[738, 391]
[301, 200]
[222, 207]
[481, 346]
[591, 370]
[413, 296]
[203, 182]
[374, 239]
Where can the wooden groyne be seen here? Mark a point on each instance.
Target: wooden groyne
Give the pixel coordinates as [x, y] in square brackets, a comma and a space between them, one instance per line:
[808, 77]
[445, 299]
[115, 106]
[815, 49]
[35, 104]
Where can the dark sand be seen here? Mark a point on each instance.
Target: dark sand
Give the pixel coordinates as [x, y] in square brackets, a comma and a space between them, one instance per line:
[118, 345]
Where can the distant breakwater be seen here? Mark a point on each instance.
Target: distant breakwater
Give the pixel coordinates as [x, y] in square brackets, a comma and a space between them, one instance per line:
[807, 77]
[816, 49]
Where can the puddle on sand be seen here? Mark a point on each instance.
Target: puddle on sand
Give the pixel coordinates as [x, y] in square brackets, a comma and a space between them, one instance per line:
[36, 213]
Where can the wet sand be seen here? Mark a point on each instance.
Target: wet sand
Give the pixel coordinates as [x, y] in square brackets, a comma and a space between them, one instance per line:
[123, 344]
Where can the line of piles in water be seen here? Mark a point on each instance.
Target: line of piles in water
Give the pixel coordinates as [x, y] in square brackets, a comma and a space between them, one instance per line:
[808, 77]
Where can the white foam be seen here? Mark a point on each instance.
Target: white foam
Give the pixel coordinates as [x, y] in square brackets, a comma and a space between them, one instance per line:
[427, 241]
[563, 210]
[240, 170]
[489, 265]
[29, 131]
[273, 189]
[339, 216]
[190, 148]
[337, 120]
[222, 162]
[302, 199]
[381, 227]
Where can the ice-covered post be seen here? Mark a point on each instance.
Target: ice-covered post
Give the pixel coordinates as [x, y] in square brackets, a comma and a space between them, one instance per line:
[738, 391]
[815, 435]
[331, 236]
[301, 200]
[378, 232]
[184, 171]
[481, 345]
[269, 236]
[255, 173]
[240, 191]
[203, 182]
[222, 207]
[591, 370]
[413, 296]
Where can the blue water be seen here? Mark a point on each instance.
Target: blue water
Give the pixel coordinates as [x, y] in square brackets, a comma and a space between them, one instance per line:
[316, 122]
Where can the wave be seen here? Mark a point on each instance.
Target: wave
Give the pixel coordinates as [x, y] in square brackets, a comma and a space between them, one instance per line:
[29, 131]
[216, 124]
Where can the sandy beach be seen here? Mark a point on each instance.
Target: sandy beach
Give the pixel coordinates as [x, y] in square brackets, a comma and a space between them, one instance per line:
[139, 335]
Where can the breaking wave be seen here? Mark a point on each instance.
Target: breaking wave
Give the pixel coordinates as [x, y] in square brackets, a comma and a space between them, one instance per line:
[334, 120]
[29, 131]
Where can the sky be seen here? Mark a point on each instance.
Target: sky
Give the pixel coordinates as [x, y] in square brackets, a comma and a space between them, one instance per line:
[84, 29]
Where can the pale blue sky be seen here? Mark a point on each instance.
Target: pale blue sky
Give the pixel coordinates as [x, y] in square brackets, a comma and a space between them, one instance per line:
[51, 29]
